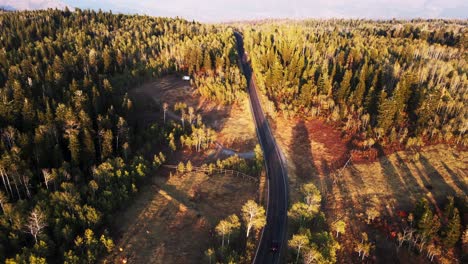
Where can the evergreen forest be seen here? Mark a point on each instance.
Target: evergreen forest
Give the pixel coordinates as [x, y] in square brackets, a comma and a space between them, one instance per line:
[74, 150]
[386, 84]
[71, 149]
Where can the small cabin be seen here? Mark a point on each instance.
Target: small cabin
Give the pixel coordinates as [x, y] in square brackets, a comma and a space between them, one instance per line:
[186, 78]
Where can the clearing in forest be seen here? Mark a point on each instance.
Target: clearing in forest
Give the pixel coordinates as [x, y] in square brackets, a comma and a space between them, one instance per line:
[233, 123]
[172, 218]
[391, 184]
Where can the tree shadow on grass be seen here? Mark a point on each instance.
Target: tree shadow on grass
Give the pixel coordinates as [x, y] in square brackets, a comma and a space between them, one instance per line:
[456, 178]
[398, 185]
[437, 184]
[302, 151]
[356, 176]
[409, 178]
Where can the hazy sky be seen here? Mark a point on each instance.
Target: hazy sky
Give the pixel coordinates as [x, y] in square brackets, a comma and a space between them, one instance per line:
[225, 10]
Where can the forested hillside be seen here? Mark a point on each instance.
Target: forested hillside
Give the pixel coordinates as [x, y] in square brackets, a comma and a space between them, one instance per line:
[70, 147]
[389, 84]
[73, 149]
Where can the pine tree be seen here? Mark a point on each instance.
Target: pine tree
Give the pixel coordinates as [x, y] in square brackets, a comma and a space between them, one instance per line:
[358, 95]
[428, 224]
[452, 230]
[89, 152]
[189, 166]
[386, 113]
[74, 147]
[207, 64]
[324, 84]
[181, 167]
[106, 145]
[107, 60]
[345, 87]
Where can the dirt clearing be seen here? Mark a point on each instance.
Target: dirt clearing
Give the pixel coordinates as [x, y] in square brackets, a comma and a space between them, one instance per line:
[391, 184]
[310, 147]
[172, 222]
[172, 219]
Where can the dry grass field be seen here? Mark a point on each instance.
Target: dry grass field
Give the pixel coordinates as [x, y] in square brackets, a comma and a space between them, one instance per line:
[238, 131]
[391, 184]
[233, 123]
[310, 148]
[172, 218]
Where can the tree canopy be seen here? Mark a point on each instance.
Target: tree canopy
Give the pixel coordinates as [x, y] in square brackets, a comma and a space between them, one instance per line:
[395, 82]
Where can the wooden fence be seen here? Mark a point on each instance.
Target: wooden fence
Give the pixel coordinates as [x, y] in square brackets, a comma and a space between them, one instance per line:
[209, 170]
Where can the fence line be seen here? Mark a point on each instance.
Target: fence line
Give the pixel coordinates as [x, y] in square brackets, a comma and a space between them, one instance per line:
[225, 171]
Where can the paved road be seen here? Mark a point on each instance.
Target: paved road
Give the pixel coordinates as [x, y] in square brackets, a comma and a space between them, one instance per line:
[277, 207]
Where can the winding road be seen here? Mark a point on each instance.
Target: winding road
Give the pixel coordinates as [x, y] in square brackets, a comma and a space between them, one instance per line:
[277, 201]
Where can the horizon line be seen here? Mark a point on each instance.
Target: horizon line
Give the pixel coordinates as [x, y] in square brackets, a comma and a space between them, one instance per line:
[230, 21]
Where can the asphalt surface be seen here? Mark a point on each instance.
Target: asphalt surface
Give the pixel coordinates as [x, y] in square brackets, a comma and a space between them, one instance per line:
[276, 227]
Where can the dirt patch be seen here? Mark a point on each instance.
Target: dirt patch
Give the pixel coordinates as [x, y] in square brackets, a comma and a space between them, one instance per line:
[310, 147]
[394, 183]
[238, 132]
[172, 222]
[391, 184]
[170, 89]
[233, 123]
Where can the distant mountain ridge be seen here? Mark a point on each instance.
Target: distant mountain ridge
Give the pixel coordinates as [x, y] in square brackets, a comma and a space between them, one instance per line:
[11, 5]
[7, 8]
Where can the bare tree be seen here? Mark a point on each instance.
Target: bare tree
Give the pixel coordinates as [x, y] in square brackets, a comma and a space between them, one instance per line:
[71, 126]
[420, 241]
[365, 120]
[165, 107]
[6, 181]
[432, 251]
[400, 240]
[122, 131]
[26, 179]
[9, 135]
[36, 223]
[191, 112]
[3, 200]
[48, 177]
[182, 118]
[253, 216]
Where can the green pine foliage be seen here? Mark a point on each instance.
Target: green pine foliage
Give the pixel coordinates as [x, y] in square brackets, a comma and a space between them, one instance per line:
[406, 75]
[451, 231]
[69, 143]
[446, 230]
